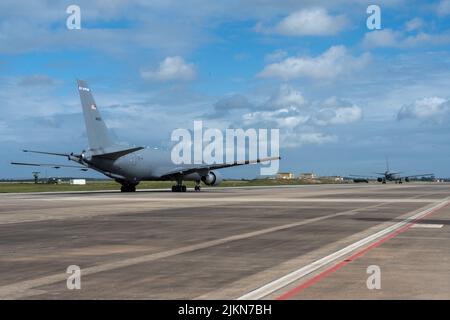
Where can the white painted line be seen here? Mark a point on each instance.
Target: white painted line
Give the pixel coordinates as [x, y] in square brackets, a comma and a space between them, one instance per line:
[282, 282]
[427, 225]
[242, 199]
[22, 288]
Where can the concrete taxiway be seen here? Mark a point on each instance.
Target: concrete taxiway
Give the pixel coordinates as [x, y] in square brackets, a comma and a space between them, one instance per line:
[303, 242]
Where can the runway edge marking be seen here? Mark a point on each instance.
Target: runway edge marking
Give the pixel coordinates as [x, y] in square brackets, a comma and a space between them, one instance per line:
[291, 277]
[22, 288]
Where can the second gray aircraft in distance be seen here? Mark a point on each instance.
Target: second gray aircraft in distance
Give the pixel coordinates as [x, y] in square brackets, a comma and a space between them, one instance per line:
[389, 175]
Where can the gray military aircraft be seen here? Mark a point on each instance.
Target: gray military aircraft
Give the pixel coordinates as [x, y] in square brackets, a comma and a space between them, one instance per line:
[388, 175]
[129, 165]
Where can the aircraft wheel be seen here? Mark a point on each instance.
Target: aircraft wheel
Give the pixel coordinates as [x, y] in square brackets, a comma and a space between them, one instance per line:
[125, 188]
[178, 188]
[197, 188]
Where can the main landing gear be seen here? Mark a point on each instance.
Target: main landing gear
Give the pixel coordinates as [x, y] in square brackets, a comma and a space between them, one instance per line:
[127, 186]
[179, 187]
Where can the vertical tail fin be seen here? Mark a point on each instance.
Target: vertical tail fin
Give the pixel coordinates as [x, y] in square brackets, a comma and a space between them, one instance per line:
[97, 132]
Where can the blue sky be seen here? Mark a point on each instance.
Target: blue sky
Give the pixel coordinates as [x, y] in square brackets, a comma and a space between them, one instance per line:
[342, 96]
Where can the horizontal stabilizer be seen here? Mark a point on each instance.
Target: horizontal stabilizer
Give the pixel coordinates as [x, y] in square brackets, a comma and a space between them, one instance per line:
[50, 153]
[52, 165]
[116, 154]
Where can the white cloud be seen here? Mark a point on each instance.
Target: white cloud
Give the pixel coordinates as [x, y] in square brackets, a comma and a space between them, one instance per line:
[316, 137]
[19, 95]
[329, 65]
[433, 108]
[395, 39]
[311, 22]
[443, 8]
[287, 118]
[299, 121]
[169, 27]
[381, 38]
[286, 97]
[224, 106]
[414, 24]
[282, 118]
[171, 69]
[423, 38]
[277, 55]
[334, 111]
[344, 115]
[295, 140]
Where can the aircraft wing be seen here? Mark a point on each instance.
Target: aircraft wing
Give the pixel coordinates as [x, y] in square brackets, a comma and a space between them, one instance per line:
[52, 165]
[187, 171]
[360, 176]
[419, 175]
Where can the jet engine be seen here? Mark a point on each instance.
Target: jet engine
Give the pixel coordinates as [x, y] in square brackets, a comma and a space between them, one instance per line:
[380, 180]
[406, 179]
[212, 179]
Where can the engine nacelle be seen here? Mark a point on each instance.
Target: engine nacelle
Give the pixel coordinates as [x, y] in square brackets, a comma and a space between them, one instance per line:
[406, 179]
[212, 179]
[380, 180]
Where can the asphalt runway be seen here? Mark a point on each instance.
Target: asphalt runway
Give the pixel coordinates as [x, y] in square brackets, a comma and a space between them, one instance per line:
[303, 242]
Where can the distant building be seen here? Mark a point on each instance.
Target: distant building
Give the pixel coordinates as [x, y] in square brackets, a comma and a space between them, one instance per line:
[285, 175]
[307, 176]
[78, 181]
[334, 178]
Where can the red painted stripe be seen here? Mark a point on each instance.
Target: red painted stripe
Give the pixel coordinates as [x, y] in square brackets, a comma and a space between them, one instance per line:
[355, 256]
